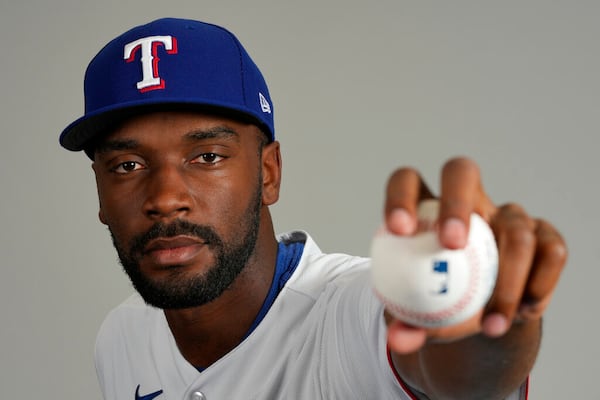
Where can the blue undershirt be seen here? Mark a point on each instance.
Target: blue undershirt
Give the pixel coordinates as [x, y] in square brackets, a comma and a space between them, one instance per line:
[288, 257]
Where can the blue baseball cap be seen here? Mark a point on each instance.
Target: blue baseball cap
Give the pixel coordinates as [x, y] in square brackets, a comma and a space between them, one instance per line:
[169, 64]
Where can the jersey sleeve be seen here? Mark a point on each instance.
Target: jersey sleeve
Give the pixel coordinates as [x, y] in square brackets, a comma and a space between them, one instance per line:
[366, 354]
[354, 347]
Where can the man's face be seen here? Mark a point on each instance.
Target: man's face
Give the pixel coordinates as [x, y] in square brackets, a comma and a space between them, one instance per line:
[181, 194]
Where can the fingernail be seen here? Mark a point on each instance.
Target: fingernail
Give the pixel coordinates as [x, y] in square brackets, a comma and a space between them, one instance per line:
[495, 325]
[401, 222]
[454, 233]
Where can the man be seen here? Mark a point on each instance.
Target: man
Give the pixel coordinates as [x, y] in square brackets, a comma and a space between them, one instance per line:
[179, 125]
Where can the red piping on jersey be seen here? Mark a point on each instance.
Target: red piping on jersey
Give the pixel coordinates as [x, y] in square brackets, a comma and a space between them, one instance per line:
[525, 389]
[403, 384]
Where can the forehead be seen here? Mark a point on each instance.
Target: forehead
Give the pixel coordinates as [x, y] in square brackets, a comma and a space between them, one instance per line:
[164, 129]
[181, 122]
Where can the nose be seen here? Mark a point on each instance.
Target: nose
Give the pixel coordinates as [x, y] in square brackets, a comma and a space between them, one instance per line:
[168, 194]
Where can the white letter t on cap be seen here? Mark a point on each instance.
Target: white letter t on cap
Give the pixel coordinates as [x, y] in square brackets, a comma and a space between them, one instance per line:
[149, 59]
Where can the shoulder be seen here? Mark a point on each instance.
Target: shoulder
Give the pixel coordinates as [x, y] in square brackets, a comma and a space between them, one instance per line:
[317, 270]
[121, 354]
[129, 319]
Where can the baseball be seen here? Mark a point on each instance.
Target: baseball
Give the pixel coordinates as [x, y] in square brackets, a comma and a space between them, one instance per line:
[426, 285]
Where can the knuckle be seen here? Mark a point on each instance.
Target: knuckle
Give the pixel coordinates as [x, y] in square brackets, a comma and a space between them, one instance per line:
[555, 252]
[520, 238]
[531, 312]
[512, 210]
[551, 243]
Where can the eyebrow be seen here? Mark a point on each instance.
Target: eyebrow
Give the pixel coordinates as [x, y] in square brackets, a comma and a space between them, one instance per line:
[218, 132]
[116, 144]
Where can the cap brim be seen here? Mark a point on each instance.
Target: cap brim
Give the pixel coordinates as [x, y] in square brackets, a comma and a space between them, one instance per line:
[83, 132]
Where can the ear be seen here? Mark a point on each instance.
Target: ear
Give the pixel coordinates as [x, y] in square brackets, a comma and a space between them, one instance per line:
[101, 216]
[271, 173]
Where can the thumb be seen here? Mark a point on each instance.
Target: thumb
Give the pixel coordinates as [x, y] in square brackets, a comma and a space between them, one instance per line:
[404, 339]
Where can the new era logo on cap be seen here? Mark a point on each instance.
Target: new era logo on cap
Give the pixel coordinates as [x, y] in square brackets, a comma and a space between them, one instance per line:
[264, 103]
[169, 62]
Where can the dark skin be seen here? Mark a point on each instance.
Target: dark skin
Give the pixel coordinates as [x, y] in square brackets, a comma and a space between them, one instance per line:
[157, 173]
[496, 348]
[172, 176]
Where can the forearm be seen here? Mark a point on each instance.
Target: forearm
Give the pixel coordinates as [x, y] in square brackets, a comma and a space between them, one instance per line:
[477, 367]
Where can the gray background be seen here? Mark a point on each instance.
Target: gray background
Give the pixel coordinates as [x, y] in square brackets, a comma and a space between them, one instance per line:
[359, 88]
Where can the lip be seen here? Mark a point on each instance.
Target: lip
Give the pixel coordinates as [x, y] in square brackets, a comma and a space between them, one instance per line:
[177, 250]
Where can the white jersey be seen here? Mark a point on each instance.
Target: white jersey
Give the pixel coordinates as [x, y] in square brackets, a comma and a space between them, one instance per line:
[323, 338]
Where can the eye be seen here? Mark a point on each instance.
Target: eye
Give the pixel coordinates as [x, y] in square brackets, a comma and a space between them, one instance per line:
[127, 167]
[208, 158]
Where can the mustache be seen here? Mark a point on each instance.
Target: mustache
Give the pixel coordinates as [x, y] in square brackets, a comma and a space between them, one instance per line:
[176, 228]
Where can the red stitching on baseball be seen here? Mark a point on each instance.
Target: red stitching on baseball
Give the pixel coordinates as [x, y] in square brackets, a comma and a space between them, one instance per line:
[474, 264]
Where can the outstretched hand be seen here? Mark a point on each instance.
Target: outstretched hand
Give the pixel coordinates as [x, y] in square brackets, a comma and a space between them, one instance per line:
[532, 253]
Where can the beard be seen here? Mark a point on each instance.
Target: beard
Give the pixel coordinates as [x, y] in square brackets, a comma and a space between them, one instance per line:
[179, 291]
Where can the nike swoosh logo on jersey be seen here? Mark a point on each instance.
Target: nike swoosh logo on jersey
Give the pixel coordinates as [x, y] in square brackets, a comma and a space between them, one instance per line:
[148, 396]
